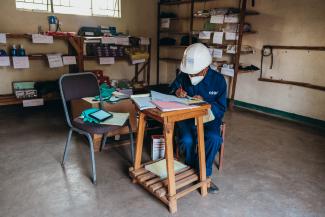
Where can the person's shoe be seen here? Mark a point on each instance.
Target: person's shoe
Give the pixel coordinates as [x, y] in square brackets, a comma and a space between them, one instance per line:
[213, 189]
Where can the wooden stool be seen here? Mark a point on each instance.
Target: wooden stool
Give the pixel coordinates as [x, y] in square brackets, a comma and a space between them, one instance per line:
[184, 181]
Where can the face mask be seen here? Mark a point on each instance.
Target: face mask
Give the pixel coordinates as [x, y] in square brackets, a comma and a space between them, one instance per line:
[197, 79]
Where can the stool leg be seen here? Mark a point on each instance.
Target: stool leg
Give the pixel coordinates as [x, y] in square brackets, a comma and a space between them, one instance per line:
[139, 144]
[221, 157]
[201, 153]
[168, 132]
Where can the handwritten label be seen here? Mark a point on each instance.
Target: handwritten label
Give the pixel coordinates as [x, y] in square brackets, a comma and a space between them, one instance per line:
[138, 61]
[55, 60]
[227, 71]
[144, 41]
[4, 61]
[231, 36]
[205, 35]
[20, 62]
[217, 38]
[3, 38]
[165, 23]
[231, 18]
[106, 60]
[217, 53]
[69, 60]
[108, 40]
[42, 39]
[217, 19]
[122, 41]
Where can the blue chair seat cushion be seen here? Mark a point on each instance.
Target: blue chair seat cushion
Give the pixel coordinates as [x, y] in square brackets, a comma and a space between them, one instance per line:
[93, 128]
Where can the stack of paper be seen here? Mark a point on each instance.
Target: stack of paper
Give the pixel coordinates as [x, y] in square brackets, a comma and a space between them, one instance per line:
[143, 101]
[171, 106]
[159, 168]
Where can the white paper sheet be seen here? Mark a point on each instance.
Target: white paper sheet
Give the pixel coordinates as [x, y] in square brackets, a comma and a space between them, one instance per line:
[205, 35]
[20, 62]
[55, 60]
[231, 36]
[217, 53]
[211, 51]
[4, 61]
[165, 23]
[3, 38]
[122, 41]
[217, 19]
[231, 49]
[108, 40]
[228, 72]
[69, 60]
[138, 61]
[106, 60]
[42, 39]
[144, 41]
[217, 38]
[231, 18]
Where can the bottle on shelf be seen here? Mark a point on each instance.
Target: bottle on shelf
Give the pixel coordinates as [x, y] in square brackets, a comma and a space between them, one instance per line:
[13, 50]
[21, 51]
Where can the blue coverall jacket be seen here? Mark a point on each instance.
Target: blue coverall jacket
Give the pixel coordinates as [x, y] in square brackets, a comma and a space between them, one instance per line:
[213, 89]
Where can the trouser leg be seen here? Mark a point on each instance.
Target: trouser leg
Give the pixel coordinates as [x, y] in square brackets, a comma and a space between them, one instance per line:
[212, 141]
[187, 142]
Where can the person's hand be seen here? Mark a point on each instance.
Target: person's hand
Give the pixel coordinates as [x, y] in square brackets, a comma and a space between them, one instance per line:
[198, 97]
[181, 93]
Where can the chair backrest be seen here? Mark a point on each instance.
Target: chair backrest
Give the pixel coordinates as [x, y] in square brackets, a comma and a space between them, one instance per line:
[76, 86]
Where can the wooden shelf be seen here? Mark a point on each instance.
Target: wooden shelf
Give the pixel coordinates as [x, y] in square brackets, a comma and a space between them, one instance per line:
[29, 36]
[174, 33]
[124, 58]
[11, 99]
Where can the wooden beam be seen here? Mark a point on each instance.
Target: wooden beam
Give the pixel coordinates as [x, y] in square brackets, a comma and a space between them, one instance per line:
[302, 84]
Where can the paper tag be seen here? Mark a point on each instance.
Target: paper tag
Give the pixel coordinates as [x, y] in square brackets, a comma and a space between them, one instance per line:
[144, 41]
[231, 18]
[33, 102]
[205, 35]
[217, 38]
[106, 60]
[231, 49]
[20, 62]
[122, 41]
[55, 60]
[165, 23]
[3, 38]
[138, 61]
[42, 39]
[231, 36]
[217, 19]
[211, 51]
[229, 72]
[4, 61]
[108, 40]
[69, 60]
[217, 53]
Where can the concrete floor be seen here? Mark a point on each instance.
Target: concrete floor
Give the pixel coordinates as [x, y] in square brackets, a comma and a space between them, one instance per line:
[272, 168]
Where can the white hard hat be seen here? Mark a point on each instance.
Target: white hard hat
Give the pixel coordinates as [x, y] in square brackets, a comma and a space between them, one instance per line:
[196, 58]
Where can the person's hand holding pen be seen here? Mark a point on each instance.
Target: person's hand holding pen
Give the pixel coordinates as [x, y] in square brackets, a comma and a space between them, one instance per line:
[180, 92]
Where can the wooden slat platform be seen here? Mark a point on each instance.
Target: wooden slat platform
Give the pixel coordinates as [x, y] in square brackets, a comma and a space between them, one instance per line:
[159, 187]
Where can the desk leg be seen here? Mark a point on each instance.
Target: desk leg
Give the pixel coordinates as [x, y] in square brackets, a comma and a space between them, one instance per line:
[97, 140]
[168, 133]
[139, 144]
[201, 153]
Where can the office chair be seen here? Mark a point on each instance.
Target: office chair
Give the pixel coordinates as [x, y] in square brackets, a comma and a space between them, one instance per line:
[77, 86]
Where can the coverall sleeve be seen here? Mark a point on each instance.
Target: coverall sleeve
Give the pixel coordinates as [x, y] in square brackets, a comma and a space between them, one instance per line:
[178, 82]
[219, 106]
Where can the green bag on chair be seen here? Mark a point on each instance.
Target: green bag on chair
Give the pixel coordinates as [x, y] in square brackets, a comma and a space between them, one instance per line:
[86, 118]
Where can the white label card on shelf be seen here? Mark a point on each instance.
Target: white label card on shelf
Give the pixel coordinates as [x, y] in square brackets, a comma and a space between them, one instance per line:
[217, 38]
[231, 49]
[20, 62]
[122, 41]
[205, 35]
[165, 23]
[42, 39]
[108, 40]
[55, 60]
[69, 60]
[3, 38]
[4, 61]
[106, 60]
[33, 102]
[231, 36]
[217, 53]
[227, 71]
[231, 18]
[138, 61]
[144, 41]
[217, 19]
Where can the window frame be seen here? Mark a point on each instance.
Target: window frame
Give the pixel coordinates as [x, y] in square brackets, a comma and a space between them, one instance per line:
[50, 9]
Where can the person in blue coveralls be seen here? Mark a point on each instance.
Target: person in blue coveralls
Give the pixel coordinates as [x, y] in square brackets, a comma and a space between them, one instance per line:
[198, 80]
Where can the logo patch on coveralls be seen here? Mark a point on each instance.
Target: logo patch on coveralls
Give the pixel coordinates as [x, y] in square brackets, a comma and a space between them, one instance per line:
[213, 93]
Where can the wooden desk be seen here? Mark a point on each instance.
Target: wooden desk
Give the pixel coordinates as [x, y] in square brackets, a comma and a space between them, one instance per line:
[184, 181]
[126, 105]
